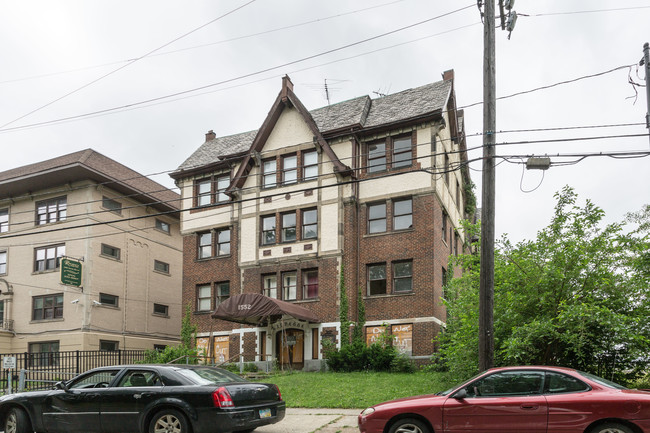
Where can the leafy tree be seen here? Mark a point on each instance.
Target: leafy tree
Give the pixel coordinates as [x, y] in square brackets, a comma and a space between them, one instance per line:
[181, 353]
[575, 296]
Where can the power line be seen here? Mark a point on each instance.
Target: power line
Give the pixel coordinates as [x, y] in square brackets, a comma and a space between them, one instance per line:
[126, 65]
[252, 74]
[250, 35]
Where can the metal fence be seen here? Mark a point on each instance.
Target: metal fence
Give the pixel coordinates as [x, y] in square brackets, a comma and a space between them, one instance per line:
[42, 370]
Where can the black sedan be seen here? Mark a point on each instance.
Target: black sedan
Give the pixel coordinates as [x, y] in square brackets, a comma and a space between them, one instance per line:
[145, 399]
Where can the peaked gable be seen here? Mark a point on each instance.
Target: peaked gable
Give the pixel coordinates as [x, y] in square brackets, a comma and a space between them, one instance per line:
[285, 99]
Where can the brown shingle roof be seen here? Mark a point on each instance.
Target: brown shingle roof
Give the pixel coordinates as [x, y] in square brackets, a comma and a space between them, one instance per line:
[358, 113]
[86, 164]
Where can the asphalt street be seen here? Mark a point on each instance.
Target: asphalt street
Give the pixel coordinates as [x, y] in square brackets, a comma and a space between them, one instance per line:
[315, 421]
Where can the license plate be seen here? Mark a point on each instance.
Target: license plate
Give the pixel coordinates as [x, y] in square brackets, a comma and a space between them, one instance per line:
[265, 413]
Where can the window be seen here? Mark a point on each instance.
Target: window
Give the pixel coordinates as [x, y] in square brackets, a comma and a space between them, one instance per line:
[110, 251]
[51, 211]
[507, 383]
[222, 184]
[203, 298]
[457, 194]
[223, 242]
[2, 313]
[289, 286]
[108, 345]
[310, 284]
[376, 157]
[223, 292]
[110, 300]
[558, 383]
[47, 307]
[377, 218]
[289, 169]
[93, 380]
[43, 354]
[204, 192]
[402, 214]
[444, 226]
[161, 310]
[289, 227]
[205, 245]
[268, 230]
[161, 266]
[309, 165]
[402, 152]
[4, 220]
[212, 190]
[140, 378]
[163, 226]
[403, 276]
[444, 277]
[3, 262]
[112, 205]
[310, 224]
[447, 170]
[159, 347]
[456, 237]
[270, 286]
[48, 258]
[377, 279]
[269, 173]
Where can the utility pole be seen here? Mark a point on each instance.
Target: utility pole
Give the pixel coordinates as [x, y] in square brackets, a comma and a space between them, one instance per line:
[486, 287]
[646, 60]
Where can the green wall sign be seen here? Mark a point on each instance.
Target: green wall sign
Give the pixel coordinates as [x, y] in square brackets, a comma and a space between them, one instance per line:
[71, 272]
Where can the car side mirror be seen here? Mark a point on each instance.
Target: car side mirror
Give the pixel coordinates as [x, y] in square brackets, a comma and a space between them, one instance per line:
[61, 385]
[460, 394]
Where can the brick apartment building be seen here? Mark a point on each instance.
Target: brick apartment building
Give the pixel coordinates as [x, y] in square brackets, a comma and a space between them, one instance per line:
[373, 187]
[123, 231]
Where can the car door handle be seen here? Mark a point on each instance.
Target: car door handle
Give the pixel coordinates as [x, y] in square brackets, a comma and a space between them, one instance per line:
[529, 406]
[142, 394]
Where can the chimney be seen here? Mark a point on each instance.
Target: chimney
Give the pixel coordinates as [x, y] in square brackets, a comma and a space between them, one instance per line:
[448, 75]
[210, 135]
[287, 86]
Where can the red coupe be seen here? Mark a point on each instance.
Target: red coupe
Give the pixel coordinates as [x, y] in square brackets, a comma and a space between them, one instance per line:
[517, 400]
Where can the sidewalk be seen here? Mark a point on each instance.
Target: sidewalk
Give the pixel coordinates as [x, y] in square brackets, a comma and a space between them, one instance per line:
[298, 420]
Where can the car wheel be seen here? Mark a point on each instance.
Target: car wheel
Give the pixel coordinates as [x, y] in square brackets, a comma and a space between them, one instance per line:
[169, 421]
[611, 427]
[409, 425]
[17, 422]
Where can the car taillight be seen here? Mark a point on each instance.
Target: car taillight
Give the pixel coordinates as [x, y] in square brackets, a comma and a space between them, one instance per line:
[221, 398]
[279, 393]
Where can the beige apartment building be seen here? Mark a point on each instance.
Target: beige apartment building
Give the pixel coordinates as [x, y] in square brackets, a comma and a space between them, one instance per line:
[120, 228]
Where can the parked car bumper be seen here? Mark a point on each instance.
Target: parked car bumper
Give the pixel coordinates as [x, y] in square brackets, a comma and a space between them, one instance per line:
[232, 420]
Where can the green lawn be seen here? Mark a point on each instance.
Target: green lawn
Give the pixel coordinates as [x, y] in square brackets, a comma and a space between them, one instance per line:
[353, 390]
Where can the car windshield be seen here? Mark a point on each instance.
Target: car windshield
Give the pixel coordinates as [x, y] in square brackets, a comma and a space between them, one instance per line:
[601, 381]
[209, 376]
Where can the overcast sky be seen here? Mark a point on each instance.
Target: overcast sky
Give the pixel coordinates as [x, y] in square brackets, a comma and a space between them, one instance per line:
[68, 59]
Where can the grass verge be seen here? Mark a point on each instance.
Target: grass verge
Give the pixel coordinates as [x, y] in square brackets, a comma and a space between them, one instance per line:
[353, 390]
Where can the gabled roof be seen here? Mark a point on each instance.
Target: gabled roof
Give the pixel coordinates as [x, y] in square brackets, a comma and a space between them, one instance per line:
[86, 165]
[361, 114]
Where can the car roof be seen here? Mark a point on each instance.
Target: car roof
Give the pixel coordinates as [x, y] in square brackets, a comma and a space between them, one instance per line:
[535, 367]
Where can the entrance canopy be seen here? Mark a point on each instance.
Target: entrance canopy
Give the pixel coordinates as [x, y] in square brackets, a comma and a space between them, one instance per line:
[257, 309]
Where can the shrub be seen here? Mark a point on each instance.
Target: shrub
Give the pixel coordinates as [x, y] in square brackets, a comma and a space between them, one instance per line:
[376, 357]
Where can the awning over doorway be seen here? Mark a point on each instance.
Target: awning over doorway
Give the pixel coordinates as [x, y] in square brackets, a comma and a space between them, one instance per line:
[257, 309]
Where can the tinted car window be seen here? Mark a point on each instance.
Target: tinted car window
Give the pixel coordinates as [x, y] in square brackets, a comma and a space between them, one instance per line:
[140, 378]
[208, 376]
[507, 383]
[557, 383]
[97, 379]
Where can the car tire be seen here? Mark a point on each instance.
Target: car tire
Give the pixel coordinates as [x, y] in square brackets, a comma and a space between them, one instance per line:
[409, 425]
[169, 421]
[17, 421]
[611, 427]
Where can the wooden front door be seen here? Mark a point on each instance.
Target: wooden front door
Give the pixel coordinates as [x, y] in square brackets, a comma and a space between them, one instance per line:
[290, 349]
